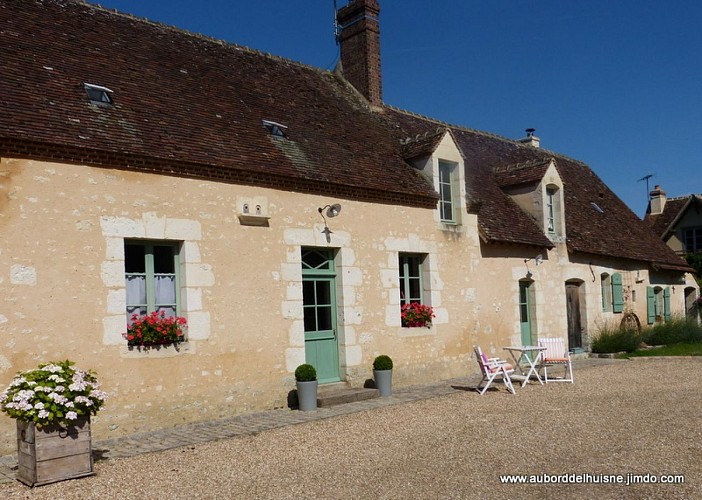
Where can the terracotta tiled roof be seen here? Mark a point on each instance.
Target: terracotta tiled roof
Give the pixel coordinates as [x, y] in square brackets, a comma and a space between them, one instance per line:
[499, 218]
[424, 144]
[193, 106]
[522, 173]
[188, 105]
[614, 230]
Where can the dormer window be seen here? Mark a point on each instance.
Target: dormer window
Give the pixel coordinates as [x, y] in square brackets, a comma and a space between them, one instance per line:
[446, 191]
[98, 94]
[552, 214]
[550, 210]
[275, 129]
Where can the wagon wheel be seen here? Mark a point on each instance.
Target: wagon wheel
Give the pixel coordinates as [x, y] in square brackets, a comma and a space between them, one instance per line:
[630, 320]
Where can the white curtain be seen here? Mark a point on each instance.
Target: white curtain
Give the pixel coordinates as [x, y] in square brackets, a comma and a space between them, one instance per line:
[165, 293]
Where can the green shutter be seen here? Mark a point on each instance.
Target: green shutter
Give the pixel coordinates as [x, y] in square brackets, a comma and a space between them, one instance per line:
[666, 303]
[650, 305]
[617, 293]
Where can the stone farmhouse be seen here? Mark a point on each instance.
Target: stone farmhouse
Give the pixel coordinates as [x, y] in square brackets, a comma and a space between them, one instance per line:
[678, 222]
[287, 213]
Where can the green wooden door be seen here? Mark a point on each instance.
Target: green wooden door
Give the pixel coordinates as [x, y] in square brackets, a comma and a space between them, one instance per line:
[319, 305]
[575, 326]
[525, 312]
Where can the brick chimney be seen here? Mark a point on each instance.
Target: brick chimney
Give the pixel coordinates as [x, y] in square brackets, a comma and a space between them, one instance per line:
[359, 39]
[658, 200]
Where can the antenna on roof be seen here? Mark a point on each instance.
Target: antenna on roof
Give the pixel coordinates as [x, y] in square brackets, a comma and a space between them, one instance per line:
[646, 178]
[336, 26]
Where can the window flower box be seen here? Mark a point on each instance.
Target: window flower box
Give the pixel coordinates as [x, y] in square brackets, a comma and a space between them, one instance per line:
[155, 329]
[416, 315]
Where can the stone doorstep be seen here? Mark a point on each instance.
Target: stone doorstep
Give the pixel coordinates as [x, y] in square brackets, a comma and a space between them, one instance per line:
[342, 392]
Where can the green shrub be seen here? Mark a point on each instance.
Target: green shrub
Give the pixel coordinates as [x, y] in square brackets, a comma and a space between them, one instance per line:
[305, 373]
[678, 330]
[382, 362]
[616, 339]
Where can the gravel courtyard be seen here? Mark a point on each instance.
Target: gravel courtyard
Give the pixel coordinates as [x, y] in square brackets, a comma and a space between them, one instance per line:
[630, 417]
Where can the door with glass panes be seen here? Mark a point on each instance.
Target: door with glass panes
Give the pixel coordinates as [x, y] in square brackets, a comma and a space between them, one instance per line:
[319, 305]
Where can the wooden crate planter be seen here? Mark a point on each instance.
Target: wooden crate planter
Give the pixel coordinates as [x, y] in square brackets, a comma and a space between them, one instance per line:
[53, 453]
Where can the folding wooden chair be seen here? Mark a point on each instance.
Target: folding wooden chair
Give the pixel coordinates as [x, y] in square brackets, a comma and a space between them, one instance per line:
[555, 354]
[493, 369]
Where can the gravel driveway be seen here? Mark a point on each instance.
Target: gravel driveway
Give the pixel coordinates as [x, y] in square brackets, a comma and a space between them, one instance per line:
[632, 417]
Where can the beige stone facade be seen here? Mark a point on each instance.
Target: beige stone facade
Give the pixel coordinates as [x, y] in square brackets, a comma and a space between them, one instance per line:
[225, 190]
[62, 256]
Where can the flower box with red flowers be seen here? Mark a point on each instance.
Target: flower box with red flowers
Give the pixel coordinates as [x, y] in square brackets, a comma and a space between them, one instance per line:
[155, 329]
[416, 315]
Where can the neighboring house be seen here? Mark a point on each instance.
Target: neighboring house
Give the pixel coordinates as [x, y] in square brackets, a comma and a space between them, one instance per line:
[678, 222]
[145, 168]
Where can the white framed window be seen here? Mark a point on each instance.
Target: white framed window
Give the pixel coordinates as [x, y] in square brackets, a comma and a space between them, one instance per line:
[552, 213]
[448, 189]
[551, 194]
[152, 277]
[411, 280]
[414, 310]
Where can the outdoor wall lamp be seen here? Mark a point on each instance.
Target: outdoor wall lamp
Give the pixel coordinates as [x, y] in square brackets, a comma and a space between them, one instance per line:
[538, 260]
[331, 211]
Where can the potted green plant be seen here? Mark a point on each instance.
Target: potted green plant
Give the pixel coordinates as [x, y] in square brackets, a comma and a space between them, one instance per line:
[306, 381]
[52, 405]
[382, 374]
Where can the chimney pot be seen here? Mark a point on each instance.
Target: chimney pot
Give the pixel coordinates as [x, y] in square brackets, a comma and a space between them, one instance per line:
[530, 139]
[658, 199]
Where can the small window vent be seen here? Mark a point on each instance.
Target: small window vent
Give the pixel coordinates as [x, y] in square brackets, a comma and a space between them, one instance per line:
[596, 207]
[275, 129]
[98, 94]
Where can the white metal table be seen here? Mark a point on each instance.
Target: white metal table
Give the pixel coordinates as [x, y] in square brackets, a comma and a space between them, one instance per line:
[521, 353]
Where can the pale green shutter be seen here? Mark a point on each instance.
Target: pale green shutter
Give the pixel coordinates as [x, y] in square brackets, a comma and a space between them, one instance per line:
[650, 305]
[666, 303]
[617, 293]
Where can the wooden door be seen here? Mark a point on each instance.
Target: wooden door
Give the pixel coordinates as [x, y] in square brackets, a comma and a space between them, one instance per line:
[575, 338]
[526, 312]
[319, 307]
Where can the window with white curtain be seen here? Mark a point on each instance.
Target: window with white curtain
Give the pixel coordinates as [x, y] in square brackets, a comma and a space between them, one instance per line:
[151, 277]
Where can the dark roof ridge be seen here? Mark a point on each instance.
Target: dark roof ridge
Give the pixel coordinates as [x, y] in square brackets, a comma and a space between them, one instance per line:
[483, 133]
[680, 198]
[206, 38]
[425, 135]
[524, 164]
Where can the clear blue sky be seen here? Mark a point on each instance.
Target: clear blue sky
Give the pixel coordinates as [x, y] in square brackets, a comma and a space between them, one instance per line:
[614, 83]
